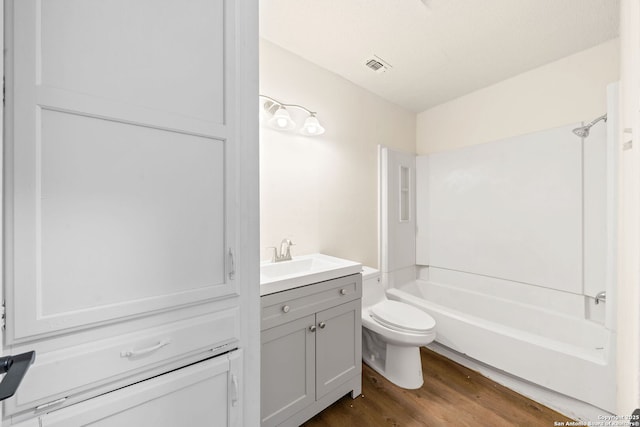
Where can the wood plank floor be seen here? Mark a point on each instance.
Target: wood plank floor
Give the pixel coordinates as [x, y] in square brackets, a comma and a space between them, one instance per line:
[452, 395]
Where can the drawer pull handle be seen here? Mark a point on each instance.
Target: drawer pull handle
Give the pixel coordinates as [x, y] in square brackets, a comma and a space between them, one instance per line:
[312, 328]
[286, 309]
[232, 261]
[234, 390]
[50, 404]
[322, 325]
[136, 353]
[343, 291]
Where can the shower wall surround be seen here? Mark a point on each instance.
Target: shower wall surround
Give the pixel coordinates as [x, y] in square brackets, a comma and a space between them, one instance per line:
[515, 238]
[510, 209]
[535, 209]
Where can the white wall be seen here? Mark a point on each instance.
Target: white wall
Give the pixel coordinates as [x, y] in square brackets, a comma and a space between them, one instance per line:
[321, 192]
[572, 89]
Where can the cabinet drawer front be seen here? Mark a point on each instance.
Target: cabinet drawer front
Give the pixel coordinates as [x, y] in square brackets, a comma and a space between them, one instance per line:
[289, 305]
[73, 370]
[196, 395]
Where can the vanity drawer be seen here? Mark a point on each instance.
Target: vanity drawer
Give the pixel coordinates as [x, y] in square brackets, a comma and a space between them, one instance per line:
[289, 305]
[80, 370]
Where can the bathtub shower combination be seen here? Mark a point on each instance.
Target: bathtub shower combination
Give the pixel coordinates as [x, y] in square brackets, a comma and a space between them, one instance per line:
[514, 253]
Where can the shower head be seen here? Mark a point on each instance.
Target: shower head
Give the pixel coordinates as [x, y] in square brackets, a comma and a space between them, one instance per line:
[583, 131]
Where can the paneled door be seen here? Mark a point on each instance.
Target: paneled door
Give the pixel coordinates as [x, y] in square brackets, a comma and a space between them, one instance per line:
[117, 160]
[288, 357]
[200, 395]
[338, 346]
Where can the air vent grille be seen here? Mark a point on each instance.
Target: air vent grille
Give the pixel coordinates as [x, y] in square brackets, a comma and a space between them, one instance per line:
[374, 65]
[377, 64]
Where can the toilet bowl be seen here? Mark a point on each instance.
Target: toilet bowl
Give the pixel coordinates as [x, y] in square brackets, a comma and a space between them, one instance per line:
[392, 333]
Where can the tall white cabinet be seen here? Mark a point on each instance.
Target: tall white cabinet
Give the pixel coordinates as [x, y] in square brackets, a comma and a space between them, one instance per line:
[130, 210]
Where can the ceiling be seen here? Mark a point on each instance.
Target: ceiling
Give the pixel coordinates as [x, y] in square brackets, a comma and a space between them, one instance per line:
[438, 49]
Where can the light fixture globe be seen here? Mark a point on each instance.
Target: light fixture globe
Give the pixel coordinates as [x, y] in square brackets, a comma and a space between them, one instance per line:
[312, 126]
[282, 120]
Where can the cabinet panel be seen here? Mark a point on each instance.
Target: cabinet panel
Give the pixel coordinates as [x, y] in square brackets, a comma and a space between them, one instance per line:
[127, 57]
[194, 396]
[79, 369]
[119, 201]
[288, 370]
[34, 422]
[113, 219]
[338, 346]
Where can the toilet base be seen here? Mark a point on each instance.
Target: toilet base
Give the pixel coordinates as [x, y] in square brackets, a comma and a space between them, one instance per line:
[399, 364]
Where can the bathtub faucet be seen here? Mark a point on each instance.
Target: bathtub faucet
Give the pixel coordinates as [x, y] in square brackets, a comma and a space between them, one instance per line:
[601, 296]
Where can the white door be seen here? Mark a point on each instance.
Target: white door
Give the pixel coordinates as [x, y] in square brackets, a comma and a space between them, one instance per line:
[116, 160]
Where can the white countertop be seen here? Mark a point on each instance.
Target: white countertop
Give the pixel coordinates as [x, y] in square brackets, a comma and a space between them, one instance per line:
[303, 270]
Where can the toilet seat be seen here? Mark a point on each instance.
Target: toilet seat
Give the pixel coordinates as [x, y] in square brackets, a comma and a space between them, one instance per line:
[402, 317]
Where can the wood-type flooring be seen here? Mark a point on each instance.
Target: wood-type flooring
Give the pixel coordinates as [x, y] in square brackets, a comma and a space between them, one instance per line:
[452, 395]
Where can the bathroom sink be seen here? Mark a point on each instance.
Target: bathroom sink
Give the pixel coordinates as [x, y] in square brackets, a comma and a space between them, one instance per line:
[303, 270]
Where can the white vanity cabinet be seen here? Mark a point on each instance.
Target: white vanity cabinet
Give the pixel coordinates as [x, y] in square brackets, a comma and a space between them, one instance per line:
[311, 349]
[129, 205]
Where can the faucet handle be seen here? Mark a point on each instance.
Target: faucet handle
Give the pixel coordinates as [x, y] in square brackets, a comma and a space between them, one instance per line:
[288, 253]
[274, 254]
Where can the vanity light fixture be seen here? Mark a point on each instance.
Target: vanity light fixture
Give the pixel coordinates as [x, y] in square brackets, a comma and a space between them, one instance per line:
[312, 126]
[281, 118]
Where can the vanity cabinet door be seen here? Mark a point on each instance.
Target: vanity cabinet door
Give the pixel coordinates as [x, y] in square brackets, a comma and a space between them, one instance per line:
[338, 346]
[288, 369]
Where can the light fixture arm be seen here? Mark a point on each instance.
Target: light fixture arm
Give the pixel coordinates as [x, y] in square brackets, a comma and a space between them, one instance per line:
[280, 118]
[282, 104]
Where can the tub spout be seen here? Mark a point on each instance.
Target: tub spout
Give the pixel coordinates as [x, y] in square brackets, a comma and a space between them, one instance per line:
[601, 296]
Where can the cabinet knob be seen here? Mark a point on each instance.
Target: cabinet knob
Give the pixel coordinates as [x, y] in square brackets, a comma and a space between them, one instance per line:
[343, 291]
[312, 328]
[286, 309]
[322, 325]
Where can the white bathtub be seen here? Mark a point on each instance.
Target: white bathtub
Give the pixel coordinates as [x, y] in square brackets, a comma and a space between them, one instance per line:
[550, 347]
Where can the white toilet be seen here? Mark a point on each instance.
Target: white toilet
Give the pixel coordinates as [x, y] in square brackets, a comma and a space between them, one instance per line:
[392, 333]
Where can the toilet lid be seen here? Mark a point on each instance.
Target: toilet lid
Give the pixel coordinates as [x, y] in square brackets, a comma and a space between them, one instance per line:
[400, 316]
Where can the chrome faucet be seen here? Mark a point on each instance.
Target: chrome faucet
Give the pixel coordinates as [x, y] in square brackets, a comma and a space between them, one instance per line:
[601, 296]
[285, 251]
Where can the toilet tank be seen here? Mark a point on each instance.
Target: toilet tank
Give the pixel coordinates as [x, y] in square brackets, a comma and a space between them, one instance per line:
[372, 289]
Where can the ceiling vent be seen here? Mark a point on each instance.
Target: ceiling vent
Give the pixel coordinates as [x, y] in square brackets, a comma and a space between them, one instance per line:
[377, 64]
